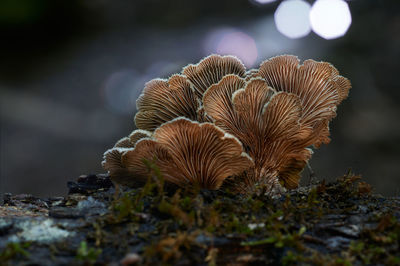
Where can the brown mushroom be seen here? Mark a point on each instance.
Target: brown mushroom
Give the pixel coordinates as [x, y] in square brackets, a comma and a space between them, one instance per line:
[163, 100]
[276, 112]
[188, 153]
[265, 121]
[135, 136]
[318, 84]
[211, 70]
[119, 174]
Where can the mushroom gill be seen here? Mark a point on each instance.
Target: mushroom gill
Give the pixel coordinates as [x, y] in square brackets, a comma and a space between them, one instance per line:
[211, 70]
[163, 100]
[180, 95]
[266, 122]
[130, 141]
[318, 84]
[216, 120]
[188, 154]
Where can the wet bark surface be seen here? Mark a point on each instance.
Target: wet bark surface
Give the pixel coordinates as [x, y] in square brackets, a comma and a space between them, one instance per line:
[339, 223]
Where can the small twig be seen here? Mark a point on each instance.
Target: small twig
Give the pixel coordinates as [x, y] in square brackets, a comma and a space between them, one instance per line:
[309, 238]
[329, 225]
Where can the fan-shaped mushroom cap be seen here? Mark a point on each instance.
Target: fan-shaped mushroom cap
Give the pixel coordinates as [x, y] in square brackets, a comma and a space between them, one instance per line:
[211, 70]
[290, 170]
[266, 122]
[135, 136]
[343, 86]
[125, 142]
[250, 101]
[217, 102]
[318, 84]
[163, 100]
[188, 154]
[118, 172]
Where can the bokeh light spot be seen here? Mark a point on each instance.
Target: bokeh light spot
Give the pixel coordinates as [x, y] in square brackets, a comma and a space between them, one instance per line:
[121, 90]
[292, 18]
[330, 19]
[262, 2]
[232, 42]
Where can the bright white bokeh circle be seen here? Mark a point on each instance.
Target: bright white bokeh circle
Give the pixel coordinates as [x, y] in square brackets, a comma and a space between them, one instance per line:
[292, 18]
[262, 2]
[330, 19]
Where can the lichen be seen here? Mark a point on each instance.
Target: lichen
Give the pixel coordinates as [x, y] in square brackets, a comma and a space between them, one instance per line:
[40, 231]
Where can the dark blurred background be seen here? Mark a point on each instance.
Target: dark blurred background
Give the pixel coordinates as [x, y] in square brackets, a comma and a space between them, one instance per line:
[70, 72]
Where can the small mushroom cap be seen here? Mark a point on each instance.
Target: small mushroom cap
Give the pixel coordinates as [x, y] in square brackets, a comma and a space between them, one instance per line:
[126, 165]
[125, 142]
[163, 100]
[139, 134]
[188, 153]
[211, 70]
[118, 172]
[343, 86]
[135, 136]
[146, 149]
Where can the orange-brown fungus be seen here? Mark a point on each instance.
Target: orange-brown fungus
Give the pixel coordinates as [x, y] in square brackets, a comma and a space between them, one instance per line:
[186, 152]
[211, 70]
[254, 128]
[265, 121]
[135, 136]
[318, 84]
[163, 100]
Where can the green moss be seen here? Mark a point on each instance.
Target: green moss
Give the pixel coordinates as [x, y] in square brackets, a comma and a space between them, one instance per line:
[172, 247]
[14, 250]
[255, 224]
[173, 209]
[376, 242]
[86, 254]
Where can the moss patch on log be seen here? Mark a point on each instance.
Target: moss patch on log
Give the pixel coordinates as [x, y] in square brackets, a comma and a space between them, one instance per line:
[340, 223]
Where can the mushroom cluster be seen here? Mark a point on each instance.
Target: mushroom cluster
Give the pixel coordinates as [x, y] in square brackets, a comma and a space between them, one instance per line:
[217, 124]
